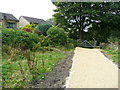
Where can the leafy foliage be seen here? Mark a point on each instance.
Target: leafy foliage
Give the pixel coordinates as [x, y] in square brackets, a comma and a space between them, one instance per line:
[27, 56]
[50, 21]
[29, 28]
[16, 38]
[57, 35]
[76, 17]
[73, 15]
[113, 52]
[17, 74]
[45, 40]
[43, 28]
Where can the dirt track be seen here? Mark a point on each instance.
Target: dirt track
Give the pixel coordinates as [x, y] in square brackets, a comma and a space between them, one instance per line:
[91, 69]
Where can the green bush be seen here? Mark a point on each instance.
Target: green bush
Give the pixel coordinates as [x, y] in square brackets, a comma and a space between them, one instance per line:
[112, 39]
[113, 52]
[45, 40]
[43, 28]
[69, 45]
[29, 28]
[44, 49]
[6, 50]
[0, 25]
[17, 37]
[57, 35]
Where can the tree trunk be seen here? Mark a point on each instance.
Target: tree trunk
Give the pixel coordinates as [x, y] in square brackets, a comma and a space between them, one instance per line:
[98, 43]
[80, 34]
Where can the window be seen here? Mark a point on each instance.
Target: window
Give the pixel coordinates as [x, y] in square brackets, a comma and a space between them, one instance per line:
[10, 25]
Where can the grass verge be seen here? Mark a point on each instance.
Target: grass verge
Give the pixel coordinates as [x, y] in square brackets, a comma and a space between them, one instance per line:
[16, 73]
[113, 53]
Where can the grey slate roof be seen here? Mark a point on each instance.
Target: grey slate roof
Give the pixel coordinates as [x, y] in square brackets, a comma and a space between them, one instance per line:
[34, 20]
[7, 16]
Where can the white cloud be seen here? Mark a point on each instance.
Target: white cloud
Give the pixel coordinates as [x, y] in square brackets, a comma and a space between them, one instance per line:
[42, 9]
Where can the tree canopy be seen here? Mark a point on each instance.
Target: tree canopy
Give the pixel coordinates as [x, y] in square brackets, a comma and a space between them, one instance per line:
[87, 20]
[43, 28]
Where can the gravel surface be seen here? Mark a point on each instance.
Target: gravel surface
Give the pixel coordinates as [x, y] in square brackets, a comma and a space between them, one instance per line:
[109, 57]
[57, 77]
[91, 69]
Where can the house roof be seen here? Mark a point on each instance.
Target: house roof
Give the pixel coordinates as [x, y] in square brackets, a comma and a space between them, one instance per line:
[49, 22]
[7, 16]
[34, 20]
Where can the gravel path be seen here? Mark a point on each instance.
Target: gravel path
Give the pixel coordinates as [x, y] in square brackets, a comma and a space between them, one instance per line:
[91, 69]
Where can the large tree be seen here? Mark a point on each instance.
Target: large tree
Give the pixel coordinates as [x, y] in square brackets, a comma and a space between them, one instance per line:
[108, 22]
[73, 17]
[76, 17]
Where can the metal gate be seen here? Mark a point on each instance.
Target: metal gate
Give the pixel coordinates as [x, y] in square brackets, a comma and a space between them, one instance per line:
[87, 44]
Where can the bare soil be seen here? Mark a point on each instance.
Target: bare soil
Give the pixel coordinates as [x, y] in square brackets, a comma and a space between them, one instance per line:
[57, 77]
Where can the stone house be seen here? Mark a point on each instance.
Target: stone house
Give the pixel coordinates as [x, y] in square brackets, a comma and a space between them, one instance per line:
[24, 20]
[8, 20]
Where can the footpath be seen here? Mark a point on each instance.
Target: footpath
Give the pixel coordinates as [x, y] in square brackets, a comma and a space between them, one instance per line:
[91, 69]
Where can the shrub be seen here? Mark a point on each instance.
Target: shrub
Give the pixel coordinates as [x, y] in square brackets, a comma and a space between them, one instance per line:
[17, 37]
[57, 35]
[45, 40]
[112, 39]
[103, 45]
[0, 25]
[44, 49]
[6, 50]
[29, 28]
[69, 45]
[42, 28]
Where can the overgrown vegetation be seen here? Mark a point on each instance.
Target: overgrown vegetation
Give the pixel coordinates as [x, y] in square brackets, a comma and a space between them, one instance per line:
[30, 52]
[28, 56]
[97, 22]
[88, 20]
[18, 71]
[42, 28]
[17, 38]
[57, 35]
[112, 51]
[29, 27]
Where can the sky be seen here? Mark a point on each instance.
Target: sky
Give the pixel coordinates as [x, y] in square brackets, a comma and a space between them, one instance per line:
[42, 9]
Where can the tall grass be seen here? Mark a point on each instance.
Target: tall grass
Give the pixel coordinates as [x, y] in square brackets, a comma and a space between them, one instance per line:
[113, 52]
[17, 73]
